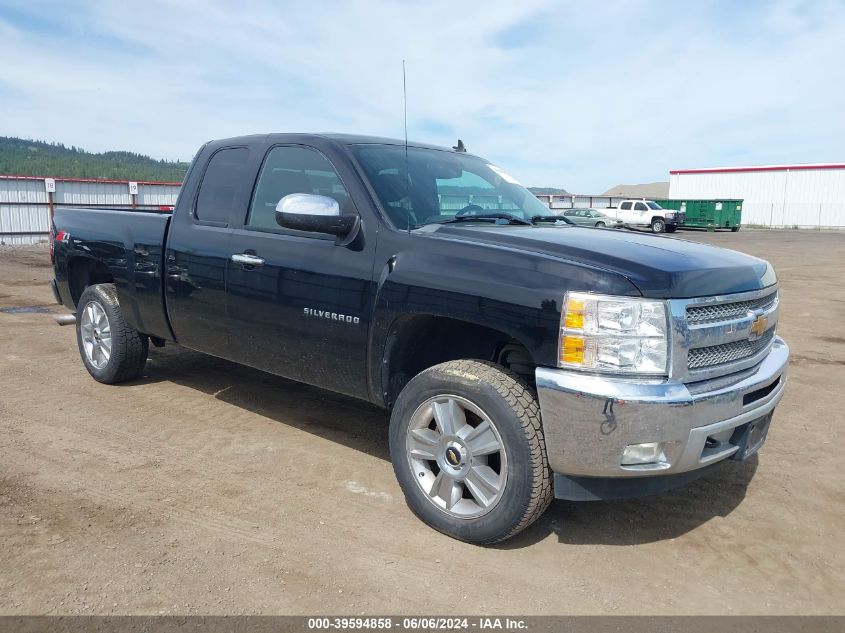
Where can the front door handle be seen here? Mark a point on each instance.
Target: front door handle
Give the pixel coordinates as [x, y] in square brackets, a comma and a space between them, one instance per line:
[245, 259]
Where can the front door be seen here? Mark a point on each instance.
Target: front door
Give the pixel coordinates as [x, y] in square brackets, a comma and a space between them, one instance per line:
[298, 303]
[641, 214]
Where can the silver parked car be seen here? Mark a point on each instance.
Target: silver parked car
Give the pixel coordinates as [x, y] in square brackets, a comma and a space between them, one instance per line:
[591, 217]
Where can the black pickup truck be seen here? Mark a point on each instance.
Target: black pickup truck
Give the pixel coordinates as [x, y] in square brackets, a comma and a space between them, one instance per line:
[522, 358]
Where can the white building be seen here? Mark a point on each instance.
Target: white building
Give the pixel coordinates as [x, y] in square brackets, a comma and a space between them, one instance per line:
[27, 202]
[810, 195]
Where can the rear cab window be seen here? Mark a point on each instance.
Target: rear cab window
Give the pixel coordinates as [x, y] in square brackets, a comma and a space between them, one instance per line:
[222, 181]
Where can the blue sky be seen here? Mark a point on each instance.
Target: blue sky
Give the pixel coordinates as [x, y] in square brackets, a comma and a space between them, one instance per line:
[581, 95]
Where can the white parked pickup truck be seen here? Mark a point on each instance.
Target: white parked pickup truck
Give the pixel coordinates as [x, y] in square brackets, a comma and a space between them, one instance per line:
[646, 213]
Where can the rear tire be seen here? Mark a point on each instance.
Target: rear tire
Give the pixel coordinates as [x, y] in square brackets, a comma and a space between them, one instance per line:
[468, 451]
[658, 225]
[111, 350]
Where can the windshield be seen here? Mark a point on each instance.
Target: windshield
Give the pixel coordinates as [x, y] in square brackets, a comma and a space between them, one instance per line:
[653, 205]
[438, 185]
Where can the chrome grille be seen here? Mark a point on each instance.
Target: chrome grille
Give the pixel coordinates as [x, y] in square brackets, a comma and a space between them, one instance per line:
[713, 313]
[728, 352]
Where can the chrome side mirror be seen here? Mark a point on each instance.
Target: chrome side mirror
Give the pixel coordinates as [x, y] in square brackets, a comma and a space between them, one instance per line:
[317, 214]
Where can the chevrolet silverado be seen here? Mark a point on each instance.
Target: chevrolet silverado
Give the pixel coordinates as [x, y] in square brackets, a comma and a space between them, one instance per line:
[521, 358]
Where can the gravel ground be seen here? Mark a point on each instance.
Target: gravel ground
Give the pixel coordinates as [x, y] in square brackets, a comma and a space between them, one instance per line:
[206, 487]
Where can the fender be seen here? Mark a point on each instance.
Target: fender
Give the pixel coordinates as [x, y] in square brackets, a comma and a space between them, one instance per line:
[450, 278]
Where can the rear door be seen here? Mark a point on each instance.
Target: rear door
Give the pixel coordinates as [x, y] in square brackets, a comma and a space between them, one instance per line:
[198, 250]
[625, 212]
[302, 308]
[581, 218]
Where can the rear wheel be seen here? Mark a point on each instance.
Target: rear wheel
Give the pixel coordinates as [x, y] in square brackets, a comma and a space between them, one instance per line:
[111, 350]
[468, 451]
[658, 225]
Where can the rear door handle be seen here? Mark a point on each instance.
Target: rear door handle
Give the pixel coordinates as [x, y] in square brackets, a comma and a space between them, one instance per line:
[246, 259]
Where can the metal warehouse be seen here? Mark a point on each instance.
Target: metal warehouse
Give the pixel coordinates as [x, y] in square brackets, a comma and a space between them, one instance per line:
[26, 202]
[810, 195]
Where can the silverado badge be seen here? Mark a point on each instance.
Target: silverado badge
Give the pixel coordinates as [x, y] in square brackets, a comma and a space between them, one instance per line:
[331, 316]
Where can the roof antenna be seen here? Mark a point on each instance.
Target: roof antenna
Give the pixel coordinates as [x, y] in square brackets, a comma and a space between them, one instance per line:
[460, 147]
[407, 171]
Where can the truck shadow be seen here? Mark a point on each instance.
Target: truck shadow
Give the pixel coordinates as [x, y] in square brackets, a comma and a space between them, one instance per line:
[364, 427]
[659, 517]
[347, 421]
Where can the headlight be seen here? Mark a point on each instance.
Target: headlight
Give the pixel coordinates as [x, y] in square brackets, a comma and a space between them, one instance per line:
[614, 334]
[670, 215]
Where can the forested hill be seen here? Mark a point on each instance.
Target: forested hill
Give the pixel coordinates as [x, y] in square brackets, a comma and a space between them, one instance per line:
[23, 157]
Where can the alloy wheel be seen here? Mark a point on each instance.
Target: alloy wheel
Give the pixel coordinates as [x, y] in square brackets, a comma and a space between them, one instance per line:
[457, 456]
[96, 334]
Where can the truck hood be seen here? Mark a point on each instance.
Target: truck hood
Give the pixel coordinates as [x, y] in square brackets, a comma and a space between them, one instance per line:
[659, 266]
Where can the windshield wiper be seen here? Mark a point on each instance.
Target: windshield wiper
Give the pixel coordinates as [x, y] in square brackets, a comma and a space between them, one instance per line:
[486, 217]
[550, 218]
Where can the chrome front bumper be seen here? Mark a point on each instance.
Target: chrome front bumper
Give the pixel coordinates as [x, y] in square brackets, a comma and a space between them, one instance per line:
[589, 420]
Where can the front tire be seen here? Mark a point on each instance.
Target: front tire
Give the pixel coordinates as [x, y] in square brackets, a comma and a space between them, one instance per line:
[658, 225]
[111, 350]
[600, 225]
[468, 451]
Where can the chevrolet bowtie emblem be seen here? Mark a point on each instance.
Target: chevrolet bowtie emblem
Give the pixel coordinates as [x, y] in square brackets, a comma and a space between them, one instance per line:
[758, 326]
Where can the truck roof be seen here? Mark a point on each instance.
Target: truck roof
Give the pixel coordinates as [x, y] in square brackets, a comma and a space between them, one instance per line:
[343, 139]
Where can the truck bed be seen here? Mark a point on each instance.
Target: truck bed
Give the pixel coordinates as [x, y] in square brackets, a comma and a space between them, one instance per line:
[128, 247]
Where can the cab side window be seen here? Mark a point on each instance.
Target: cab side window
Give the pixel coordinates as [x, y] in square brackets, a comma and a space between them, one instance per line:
[221, 183]
[625, 206]
[293, 169]
[640, 207]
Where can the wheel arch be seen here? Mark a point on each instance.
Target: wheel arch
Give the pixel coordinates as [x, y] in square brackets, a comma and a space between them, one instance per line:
[416, 342]
[83, 272]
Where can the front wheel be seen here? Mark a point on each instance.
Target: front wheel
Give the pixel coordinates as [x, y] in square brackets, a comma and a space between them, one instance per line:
[468, 451]
[111, 350]
[658, 225]
[600, 225]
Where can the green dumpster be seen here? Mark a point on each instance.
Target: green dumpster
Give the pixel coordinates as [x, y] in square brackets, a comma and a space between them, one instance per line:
[719, 214]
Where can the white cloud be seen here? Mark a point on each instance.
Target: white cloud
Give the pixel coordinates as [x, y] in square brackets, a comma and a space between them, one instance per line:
[581, 95]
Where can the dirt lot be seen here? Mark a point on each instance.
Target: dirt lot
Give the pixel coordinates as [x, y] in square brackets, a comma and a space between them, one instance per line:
[210, 488]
